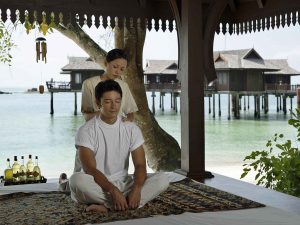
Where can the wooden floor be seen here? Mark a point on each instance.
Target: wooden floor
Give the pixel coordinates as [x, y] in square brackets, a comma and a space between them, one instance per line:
[256, 193]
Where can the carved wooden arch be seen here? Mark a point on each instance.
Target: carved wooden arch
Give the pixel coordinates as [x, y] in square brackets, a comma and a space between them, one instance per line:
[210, 24]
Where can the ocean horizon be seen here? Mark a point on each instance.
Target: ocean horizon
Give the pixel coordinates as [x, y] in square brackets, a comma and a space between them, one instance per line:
[28, 128]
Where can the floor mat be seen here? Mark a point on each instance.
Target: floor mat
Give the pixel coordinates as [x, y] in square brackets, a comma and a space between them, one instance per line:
[58, 208]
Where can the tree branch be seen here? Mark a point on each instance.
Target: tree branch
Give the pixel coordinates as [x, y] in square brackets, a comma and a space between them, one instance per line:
[84, 41]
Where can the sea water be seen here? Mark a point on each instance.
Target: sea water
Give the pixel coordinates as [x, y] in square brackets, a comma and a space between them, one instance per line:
[28, 128]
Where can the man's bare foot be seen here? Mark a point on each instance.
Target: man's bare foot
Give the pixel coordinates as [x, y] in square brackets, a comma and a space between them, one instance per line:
[96, 208]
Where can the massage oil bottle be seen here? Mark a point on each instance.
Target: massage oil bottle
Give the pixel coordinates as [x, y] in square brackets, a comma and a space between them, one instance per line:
[16, 170]
[36, 170]
[23, 175]
[30, 167]
[8, 173]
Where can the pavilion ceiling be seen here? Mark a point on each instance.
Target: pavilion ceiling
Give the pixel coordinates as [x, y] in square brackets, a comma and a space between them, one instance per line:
[243, 16]
[240, 16]
[154, 14]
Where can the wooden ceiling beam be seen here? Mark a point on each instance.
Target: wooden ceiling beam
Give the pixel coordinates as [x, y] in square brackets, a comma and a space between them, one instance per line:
[261, 3]
[232, 5]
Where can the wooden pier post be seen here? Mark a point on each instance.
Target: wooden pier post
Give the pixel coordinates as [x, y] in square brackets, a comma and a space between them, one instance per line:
[214, 108]
[219, 99]
[162, 102]
[277, 103]
[284, 103]
[171, 100]
[51, 104]
[153, 102]
[228, 106]
[255, 106]
[280, 108]
[298, 98]
[258, 107]
[291, 101]
[238, 106]
[266, 101]
[175, 102]
[248, 102]
[75, 103]
[209, 109]
[262, 102]
[244, 102]
[240, 102]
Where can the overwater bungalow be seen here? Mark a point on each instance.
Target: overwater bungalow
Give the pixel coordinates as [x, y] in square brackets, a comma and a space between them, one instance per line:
[240, 73]
[196, 24]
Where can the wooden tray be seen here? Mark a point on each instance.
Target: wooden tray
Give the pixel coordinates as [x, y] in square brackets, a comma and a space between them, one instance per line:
[8, 183]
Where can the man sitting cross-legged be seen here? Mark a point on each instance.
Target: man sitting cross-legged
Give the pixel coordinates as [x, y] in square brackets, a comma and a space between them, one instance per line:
[104, 144]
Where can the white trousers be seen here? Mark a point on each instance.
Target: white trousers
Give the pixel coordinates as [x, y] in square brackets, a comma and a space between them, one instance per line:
[85, 190]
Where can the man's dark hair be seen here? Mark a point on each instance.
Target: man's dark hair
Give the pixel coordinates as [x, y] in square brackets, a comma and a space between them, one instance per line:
[105, 86]
[116, 54]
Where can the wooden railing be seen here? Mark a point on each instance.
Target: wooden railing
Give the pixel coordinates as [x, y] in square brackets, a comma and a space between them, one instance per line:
[58, 85]
[170, 87]
[282, 87]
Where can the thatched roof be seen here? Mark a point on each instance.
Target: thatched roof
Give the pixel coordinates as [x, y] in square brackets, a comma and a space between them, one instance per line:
[242, 59]
[161, 67]
[283, 64]
[81, 63]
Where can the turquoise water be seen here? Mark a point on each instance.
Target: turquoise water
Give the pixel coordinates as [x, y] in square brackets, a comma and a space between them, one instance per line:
[28, 128]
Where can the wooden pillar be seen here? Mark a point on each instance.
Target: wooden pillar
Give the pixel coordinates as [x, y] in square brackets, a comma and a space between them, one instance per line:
[175, 102]
[284, 103]
[171, 100]
[162, 102]
[238, 106]
[214, 106]
[248, 102]
[255, 106]
[258, 106]
[219, 99]
[191, 72]
[244, 102]
[262, 102]
[153, 102]
[228, 106]
[298, 98]
[280, 108]
[51, 104]
[75, 103]
[266, 101]
[291, 103]
[277, 103]
[240, 102]
[209, 108]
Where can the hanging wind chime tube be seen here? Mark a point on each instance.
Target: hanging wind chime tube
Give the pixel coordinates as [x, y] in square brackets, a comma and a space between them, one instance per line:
[41, 49]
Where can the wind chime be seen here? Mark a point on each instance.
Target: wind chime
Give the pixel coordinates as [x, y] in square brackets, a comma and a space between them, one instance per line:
[41, 52]
[41, 49]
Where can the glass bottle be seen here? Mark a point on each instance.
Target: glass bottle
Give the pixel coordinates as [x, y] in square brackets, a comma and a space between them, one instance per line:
[30, 167]
[23, 171]
[8, 173]
[36, 170]
[16, 170]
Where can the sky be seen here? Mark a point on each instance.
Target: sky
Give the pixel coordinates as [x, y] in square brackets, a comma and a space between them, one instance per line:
[25, 72]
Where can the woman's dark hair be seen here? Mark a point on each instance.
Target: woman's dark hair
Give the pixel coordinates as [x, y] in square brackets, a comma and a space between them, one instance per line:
[116, 54]
[105, 86]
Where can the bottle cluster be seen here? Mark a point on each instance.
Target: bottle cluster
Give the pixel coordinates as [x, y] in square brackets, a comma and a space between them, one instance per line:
[19, 173]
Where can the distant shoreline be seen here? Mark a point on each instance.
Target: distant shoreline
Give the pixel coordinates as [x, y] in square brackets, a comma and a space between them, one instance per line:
[4, 92]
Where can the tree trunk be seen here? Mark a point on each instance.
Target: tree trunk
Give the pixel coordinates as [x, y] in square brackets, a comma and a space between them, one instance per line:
[162, 150]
